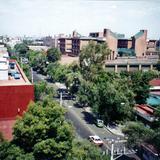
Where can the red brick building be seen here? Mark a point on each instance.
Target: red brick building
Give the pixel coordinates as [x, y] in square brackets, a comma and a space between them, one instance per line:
[15, 94]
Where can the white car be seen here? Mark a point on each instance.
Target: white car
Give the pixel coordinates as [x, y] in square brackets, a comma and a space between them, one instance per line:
[96, 140]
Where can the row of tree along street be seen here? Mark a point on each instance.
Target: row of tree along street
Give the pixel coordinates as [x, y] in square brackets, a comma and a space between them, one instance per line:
[111, 95]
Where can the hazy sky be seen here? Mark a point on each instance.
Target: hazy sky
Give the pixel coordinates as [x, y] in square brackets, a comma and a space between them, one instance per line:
[49, 17]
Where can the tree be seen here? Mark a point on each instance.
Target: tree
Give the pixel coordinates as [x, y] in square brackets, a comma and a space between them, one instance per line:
[58, 72]
[53, 55]
[27, 70]
[73, 82]
[44, 131]
[140, 84]
[41, 90]
[21, 49]
[84, 150]
[9, 151]
[106, 96]
[92, 59]
[137, 133]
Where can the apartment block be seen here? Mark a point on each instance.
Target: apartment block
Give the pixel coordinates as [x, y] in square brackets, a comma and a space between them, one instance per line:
[65, 45]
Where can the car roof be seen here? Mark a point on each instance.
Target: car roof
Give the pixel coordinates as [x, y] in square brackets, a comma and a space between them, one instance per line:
[96, 137]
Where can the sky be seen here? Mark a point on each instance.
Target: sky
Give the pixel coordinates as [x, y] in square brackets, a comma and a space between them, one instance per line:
[49, 17]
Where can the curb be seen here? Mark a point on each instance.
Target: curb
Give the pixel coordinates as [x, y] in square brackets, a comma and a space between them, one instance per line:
[112, 132]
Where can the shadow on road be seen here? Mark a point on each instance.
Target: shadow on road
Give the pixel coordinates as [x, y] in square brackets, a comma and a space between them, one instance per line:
[88, 117]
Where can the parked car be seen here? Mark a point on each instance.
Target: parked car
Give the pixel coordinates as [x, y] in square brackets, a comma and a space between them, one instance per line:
[12, 65]
[17, 75]
[96, 140]
[99, 123]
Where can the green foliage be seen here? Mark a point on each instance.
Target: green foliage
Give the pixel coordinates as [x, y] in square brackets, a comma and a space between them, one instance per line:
[73, 81]
[9, 151]
[92, 59]
[44, 131]
[105, 94]
[57, 72]
[21, 49]
[10, 51]
[140, 84]
[41, 90]
[38, 60]
[84, 150]
[27, 70]
[137, 133]
[53, 55]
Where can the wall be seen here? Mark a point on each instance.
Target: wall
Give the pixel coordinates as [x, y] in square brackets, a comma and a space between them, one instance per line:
[14, 97]
[112, 43]
[140, 45]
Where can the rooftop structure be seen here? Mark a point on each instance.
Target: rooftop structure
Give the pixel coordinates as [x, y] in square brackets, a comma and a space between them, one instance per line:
[145, 111]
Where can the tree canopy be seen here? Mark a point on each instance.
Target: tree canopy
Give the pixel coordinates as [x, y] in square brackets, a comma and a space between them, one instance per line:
[43, 131]
[21, 49]
[53, 54]
[92, 58]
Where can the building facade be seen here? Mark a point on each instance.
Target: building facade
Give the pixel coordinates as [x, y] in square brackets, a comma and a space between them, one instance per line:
[16, 92]
[136, 46]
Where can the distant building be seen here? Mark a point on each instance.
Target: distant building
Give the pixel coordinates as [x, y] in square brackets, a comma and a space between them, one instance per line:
[65, 45]
[110, 38]
[153, 49]
[38, 48]
[16, 92]
[79, 42]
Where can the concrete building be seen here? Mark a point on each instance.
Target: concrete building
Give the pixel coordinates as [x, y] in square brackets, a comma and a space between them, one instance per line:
[131, 64]
[65, 45]
[110, 38]
[16, 92]
[79, 42]
[153, 49]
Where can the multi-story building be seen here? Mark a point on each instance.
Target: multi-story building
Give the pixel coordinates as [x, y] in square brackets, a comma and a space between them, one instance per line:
[65, 45]
[16, 92]
[120, 46]
[79, 42]
[153, 49]
[110, 38]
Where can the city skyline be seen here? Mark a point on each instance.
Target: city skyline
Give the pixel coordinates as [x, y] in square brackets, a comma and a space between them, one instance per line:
[42, 18]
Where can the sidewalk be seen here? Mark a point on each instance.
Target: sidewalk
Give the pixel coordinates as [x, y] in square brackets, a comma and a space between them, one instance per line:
[115, 130]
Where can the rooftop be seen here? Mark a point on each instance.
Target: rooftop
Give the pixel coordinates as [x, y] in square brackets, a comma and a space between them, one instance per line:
[12, 81]
[155, 82]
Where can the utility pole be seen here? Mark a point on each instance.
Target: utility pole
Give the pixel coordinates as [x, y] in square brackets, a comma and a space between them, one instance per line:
[61, 98]
[112, 150]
